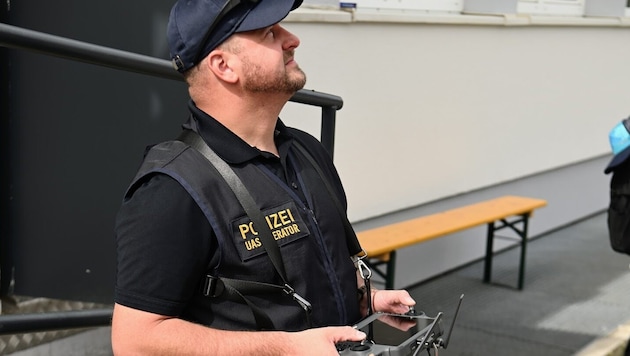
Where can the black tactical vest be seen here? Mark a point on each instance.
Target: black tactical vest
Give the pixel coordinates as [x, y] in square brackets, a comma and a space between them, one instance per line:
[619, 209]
[310, 235]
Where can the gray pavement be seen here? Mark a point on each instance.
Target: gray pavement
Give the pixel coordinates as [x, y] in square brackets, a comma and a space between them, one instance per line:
[575, 296]
[94, 342]
[575, 302]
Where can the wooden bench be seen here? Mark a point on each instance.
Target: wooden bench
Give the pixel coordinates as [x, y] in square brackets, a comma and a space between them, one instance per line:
[381, 243]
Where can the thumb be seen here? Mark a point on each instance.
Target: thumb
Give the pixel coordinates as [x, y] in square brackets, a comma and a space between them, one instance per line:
[347, 333]
[403, 297]
[408, 300]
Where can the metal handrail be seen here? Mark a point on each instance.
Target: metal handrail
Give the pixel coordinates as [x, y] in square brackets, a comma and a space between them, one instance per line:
[39, 42]
[36, 322]
[43, 43]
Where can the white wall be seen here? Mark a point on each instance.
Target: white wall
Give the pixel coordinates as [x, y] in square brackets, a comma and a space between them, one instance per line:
[436, 110]
[572, 192]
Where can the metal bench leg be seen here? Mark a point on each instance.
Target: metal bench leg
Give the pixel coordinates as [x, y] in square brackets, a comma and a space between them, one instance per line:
[391, 271]
[487, 266]
[523, 235]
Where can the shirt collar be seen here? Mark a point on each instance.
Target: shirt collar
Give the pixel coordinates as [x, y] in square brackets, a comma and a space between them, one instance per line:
[228, 145]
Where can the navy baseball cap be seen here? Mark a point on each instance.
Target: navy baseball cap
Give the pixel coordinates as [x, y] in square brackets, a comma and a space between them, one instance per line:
[196, 27]
[619, 138]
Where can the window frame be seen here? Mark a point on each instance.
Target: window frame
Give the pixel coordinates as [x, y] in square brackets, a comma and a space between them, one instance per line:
[409, 6]
[551, 7]
[429, 10]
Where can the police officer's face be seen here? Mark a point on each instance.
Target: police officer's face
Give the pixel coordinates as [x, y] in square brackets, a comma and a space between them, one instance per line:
[267, 61]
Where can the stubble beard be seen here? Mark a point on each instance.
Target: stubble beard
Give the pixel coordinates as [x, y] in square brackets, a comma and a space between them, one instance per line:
[286, 81]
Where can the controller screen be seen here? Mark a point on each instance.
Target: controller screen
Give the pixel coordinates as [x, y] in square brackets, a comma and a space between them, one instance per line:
[385, 334]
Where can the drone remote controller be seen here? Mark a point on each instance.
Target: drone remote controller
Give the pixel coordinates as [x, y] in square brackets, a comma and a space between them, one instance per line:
[398, 334]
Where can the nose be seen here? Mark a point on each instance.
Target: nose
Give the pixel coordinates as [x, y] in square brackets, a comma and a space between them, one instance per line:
[289, 40]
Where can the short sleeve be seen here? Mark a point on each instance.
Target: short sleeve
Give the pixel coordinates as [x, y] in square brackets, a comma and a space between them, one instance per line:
[163, 244]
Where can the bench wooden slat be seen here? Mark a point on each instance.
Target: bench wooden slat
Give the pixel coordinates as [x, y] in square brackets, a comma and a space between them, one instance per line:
[383, 240]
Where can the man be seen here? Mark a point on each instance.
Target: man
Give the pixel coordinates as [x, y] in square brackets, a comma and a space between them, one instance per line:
[619, 204]
[618, 213]
[191, 261]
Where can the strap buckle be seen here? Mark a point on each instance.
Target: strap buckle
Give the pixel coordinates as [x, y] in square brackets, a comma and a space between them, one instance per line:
[305, 304]
[364, 270]
[213, 286]
[359, 256]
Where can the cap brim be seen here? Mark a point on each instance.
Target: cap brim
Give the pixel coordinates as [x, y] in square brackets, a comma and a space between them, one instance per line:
[267, 13]
[619, 158]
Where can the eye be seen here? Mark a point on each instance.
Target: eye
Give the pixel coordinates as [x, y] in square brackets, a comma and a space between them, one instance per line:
[270, 32]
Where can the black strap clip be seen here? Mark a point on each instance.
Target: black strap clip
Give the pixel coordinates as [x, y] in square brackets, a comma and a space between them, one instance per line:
[305, 304]
[213, 286]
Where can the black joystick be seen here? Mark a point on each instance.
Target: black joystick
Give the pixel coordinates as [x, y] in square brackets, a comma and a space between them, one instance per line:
[353, 347]
[360, 347]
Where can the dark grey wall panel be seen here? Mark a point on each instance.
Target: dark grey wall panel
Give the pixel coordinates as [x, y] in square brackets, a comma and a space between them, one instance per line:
[77, 136]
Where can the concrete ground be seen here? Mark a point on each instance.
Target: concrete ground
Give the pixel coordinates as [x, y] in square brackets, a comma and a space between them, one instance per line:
[575, 300]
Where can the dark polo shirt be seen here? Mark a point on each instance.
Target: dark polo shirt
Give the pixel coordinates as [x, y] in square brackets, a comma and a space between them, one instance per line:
[165, 243]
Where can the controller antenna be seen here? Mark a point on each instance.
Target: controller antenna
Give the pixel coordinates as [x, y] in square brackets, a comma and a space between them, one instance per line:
[440, 342]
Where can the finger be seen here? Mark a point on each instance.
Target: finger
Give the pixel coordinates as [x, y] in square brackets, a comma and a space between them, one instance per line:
[408, 300]
[403, 297]
[347, 333]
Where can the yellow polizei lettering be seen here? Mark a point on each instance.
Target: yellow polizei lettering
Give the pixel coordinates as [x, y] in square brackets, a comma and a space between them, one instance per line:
[276, 223]
[284, 218]
[290, 215]
[244, 228]
[269, 221]
[272, 221]
[251, 228]
[279, 219]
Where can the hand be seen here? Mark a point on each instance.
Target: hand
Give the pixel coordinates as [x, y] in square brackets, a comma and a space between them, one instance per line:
[392, 301]
[321, 341]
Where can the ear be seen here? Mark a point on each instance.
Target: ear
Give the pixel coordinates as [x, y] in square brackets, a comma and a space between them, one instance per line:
[222, 63]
